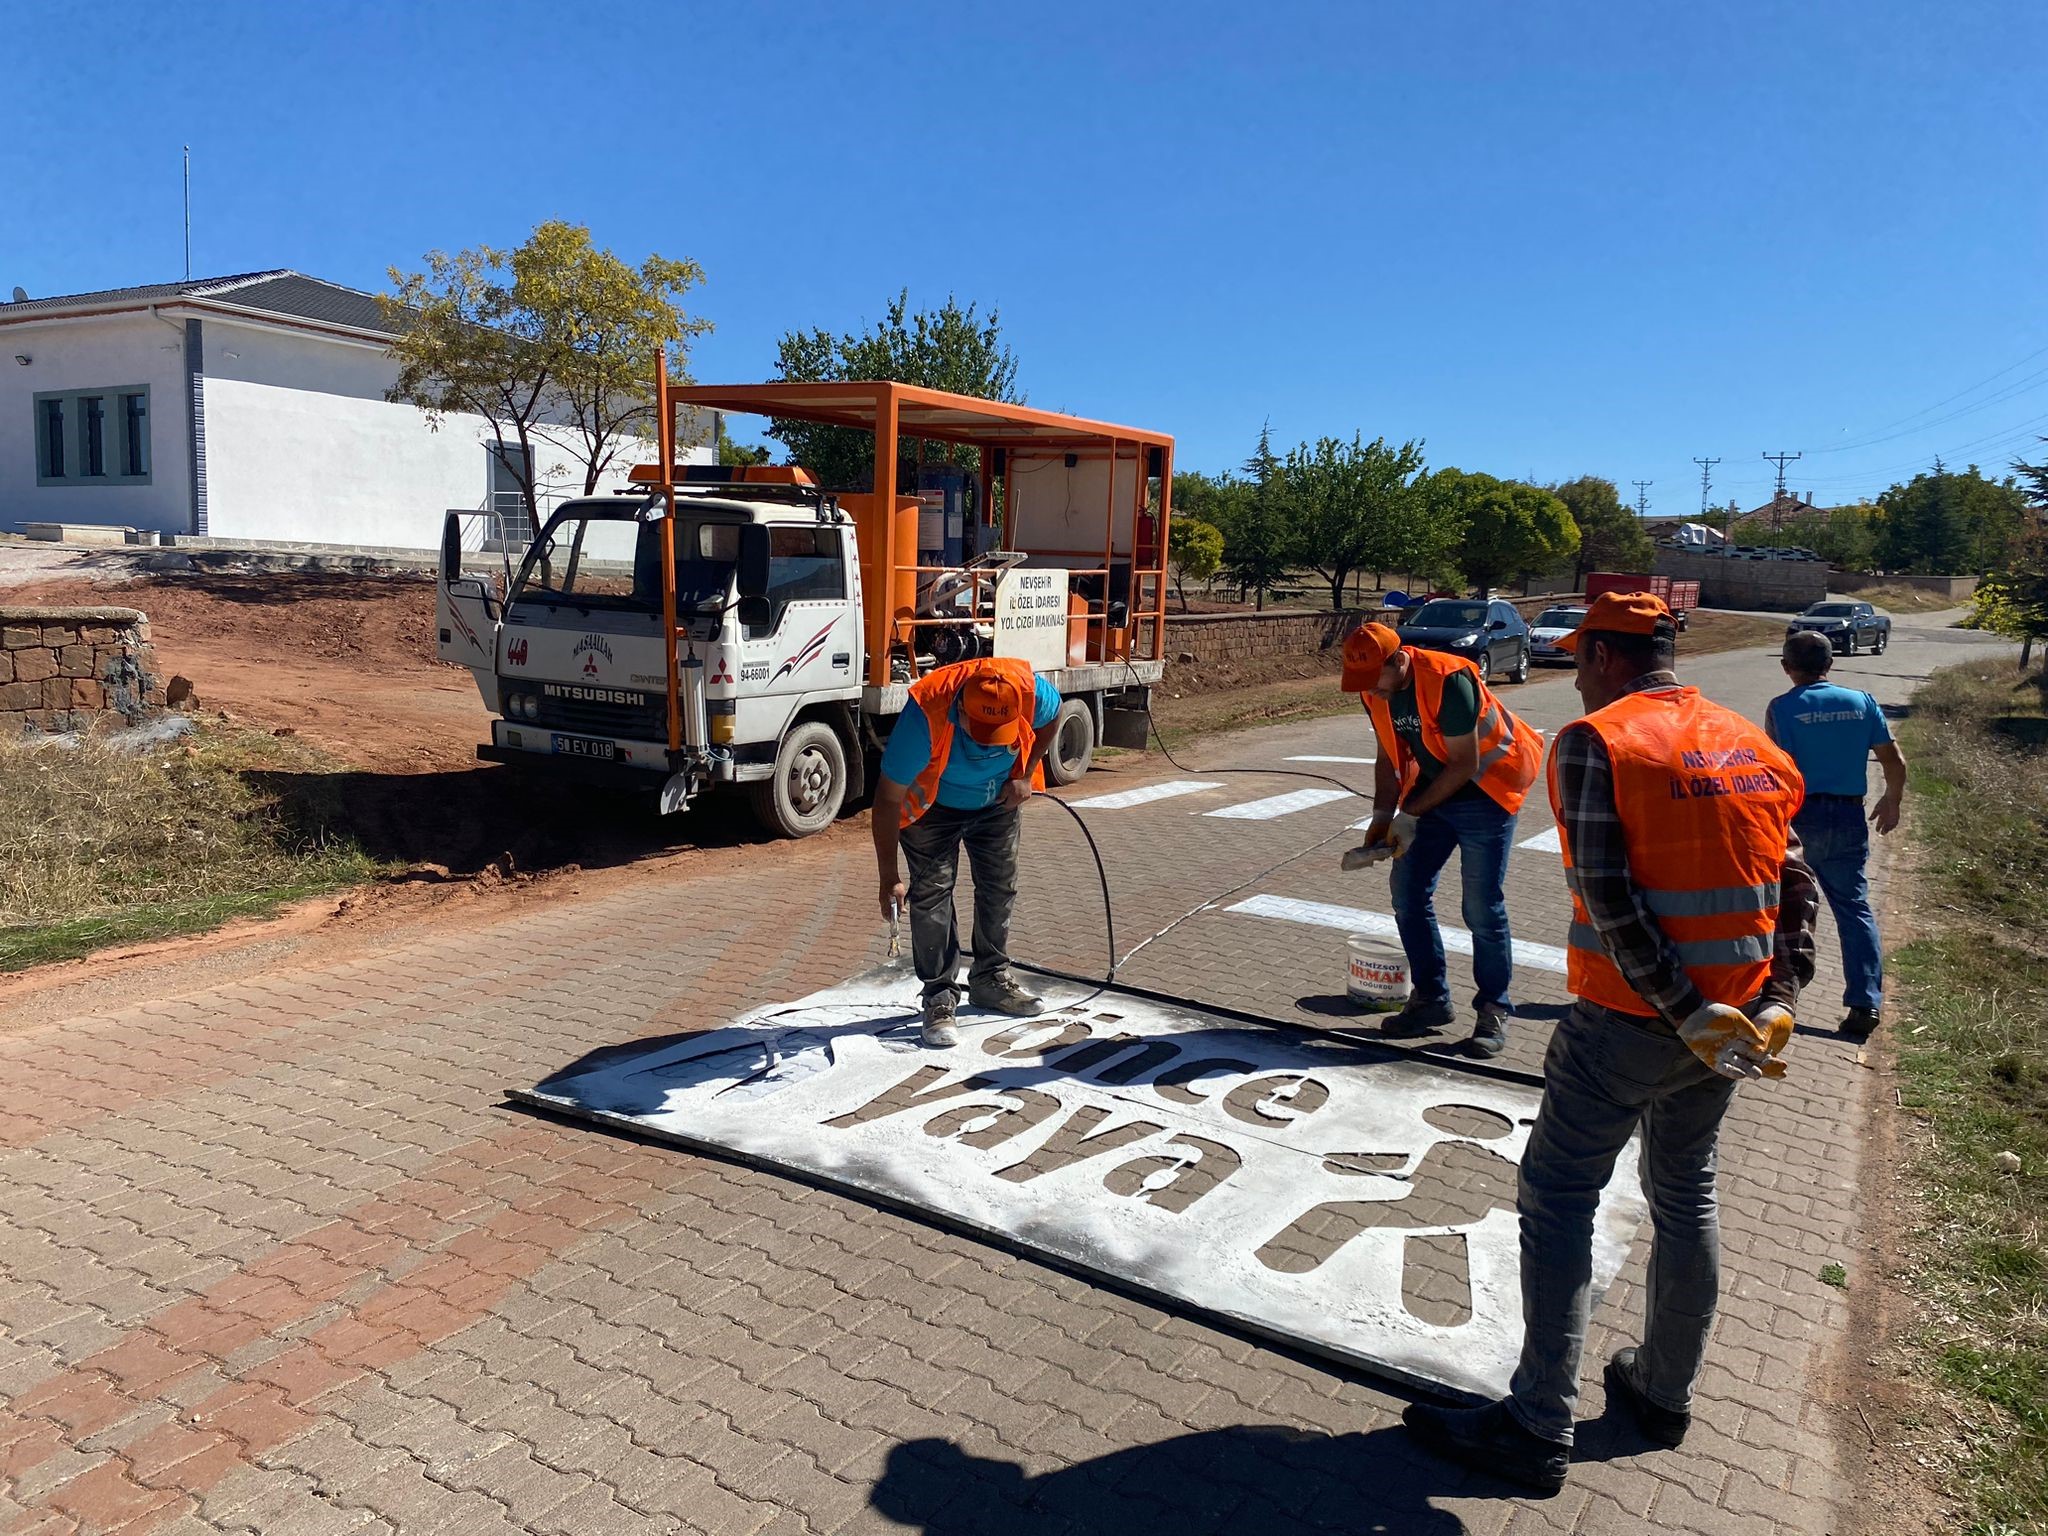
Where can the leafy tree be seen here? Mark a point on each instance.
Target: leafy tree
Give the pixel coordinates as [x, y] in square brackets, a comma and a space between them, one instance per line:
[1261, 528]
[1511, 529]
[1943, 521]
[2014, 601]
[739, 455]
[1355, 507]
[951, 349]
[553, 331]
[1194, 551]
[1611, 537]
[1846, 537]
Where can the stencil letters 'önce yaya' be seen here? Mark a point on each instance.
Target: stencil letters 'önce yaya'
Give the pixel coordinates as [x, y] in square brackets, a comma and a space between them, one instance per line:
[1363, 1207]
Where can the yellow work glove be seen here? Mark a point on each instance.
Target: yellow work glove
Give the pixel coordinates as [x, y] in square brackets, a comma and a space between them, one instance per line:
[1776, 1021]
[1728, 1041]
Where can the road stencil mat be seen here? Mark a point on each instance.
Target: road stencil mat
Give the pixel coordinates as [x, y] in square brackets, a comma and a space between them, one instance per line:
[1344, 1198]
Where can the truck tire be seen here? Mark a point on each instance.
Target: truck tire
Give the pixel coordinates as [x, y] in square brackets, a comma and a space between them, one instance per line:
[1884, 638]
[809, 783]
[1073, 742]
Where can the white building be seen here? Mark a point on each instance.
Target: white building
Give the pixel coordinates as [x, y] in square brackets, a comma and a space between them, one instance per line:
[247, 407]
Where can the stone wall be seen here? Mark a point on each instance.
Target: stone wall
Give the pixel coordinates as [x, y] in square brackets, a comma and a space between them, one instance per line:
[62, 669]
[1955, 588]
[1781, 585]
[1210, 637]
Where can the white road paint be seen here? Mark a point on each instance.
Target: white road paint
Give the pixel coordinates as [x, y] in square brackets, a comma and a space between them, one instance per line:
[1123, 799]
[1174, 1151]
[1280, 805]
[1546, 840]
[1332, 760]
[1320, 914]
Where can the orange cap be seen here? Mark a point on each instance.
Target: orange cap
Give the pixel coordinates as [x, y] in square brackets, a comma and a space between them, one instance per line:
[1366, 650]
[1621, 613]
[994, 709]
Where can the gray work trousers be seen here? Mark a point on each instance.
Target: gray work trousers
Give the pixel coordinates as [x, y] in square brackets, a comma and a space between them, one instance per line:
[931, 845]
[1607, 1073]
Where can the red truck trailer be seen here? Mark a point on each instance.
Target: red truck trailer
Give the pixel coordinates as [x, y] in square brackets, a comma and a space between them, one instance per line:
[1680, 596]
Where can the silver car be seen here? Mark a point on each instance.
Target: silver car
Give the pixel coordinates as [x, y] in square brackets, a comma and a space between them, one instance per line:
[1551, 626]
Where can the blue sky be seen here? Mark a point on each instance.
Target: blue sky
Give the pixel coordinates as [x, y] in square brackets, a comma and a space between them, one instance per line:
[1548, 238]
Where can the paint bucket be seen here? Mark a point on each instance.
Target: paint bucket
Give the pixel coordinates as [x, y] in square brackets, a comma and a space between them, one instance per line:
[1376, 974]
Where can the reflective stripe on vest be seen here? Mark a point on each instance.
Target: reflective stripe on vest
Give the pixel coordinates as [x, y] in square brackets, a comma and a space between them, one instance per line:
[1705, 801]
[935, 694]
[1510, 751]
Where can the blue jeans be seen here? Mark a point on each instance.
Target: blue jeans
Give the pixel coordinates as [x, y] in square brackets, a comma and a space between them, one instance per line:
[1606, 1074]
[1837, 843]
[1482, 834]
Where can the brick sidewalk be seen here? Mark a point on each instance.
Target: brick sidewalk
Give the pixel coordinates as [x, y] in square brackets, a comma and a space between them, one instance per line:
[277, 1257]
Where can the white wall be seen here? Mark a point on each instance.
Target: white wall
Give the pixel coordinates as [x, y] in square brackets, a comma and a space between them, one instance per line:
[103, 353]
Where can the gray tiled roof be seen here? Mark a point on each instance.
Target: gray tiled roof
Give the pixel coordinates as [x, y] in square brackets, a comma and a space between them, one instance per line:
[278, 292]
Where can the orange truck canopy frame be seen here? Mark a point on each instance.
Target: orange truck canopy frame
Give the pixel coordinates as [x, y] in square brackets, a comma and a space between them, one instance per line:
[1042, 459]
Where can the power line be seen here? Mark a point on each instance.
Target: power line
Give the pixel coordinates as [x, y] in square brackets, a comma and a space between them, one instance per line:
[1706, 481]
[1867, 438]
[1643, 496]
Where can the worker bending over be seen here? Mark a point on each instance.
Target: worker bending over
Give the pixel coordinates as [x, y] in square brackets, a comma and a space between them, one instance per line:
[1452, 770]
[965, 755]
[1831, 733]
[1692, 932]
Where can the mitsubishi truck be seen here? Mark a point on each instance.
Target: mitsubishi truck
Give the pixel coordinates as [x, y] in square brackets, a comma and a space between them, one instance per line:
[707, 630]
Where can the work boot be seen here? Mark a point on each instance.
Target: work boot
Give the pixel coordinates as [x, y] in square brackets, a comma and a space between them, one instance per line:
[939, 1028]
[1490, 1439]
[1490, 1034]
[1860, 1023]
[1420, 1018]
[1001, 994]
[1664, 1425]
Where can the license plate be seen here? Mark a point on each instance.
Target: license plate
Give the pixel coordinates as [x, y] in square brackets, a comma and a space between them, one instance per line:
[586, 746]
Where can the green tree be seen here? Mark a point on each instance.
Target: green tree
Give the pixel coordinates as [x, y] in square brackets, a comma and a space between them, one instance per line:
[1510, 529]
[551, 342]
[951, 349]
[1259, 534]
[1611, 537]
[1845, 537]
[2014, 601]
[1194, 551]
[1945, 522]
[1355, 507]
[740, 455]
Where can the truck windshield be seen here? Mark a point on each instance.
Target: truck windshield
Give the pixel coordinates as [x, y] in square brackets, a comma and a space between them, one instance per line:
[601, 555]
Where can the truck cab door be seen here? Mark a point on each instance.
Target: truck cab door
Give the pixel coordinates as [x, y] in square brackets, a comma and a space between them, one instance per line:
[465, 615]
[803, 636]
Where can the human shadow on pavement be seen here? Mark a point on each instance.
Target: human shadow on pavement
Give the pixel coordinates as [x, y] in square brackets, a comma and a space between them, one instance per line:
[1256, 1477]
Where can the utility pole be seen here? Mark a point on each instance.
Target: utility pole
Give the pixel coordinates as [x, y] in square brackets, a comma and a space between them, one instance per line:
[1781, 460]
[1643, 497]
[188, 213]
[1706, 482]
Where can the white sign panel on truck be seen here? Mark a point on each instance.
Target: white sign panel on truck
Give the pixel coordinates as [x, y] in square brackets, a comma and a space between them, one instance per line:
[1031, 616]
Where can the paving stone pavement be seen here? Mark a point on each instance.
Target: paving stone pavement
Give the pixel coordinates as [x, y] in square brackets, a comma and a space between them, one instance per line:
[277, 1256]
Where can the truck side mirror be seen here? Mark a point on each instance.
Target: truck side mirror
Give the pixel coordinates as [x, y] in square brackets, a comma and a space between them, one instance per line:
[451, 546]
[753, 563]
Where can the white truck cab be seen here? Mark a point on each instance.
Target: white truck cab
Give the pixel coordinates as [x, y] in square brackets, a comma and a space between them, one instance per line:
[774, 689]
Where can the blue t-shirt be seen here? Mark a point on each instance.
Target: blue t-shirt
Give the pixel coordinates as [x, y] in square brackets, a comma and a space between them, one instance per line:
[1829, 732]
[974, 773]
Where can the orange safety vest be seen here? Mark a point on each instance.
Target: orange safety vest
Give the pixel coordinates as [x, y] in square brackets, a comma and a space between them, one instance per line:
[934, 693]
[1510, 751]
[1705, 800]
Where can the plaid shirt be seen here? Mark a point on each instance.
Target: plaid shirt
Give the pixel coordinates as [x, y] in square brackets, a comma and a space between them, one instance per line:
[1647, 961]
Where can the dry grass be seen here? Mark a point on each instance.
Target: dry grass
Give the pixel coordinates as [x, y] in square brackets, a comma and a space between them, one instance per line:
[1906, 599]
[101, 846]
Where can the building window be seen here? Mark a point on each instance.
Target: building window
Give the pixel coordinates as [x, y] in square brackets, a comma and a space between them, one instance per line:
[80, 442]
[52, 438]
[92, 436]
[134, 435]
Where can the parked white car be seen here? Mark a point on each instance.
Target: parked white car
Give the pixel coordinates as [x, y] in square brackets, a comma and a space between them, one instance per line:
[1551, 626]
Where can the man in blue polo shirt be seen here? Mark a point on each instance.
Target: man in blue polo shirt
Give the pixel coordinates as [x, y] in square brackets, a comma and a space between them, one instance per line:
[1831, 733]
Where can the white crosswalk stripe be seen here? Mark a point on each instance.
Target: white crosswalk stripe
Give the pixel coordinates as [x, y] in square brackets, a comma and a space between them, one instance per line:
[1125, 798]
[1332, 760]
[1320, 914]
[1546, 840]
[1280, 805]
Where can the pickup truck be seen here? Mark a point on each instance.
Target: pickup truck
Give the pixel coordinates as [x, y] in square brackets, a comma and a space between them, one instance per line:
[1849, 626]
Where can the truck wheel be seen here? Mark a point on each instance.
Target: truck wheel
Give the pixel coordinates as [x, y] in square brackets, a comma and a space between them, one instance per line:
[1073, 742]
[1884, 638]
[809, 782]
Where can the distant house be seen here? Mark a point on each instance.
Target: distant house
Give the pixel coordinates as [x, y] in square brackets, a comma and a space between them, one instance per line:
[246, 407]
[1772, 515]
